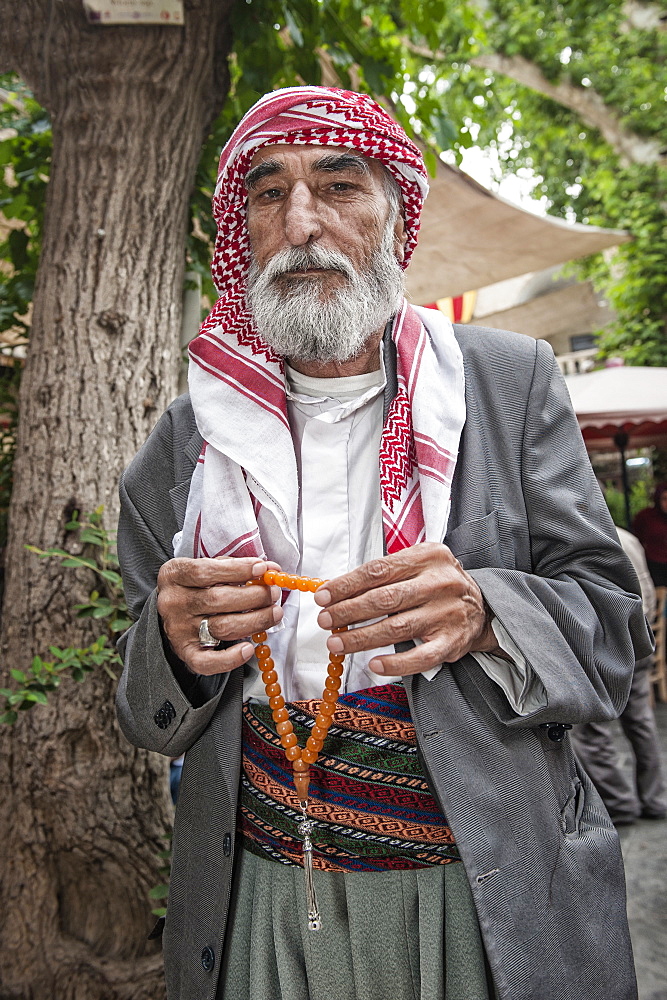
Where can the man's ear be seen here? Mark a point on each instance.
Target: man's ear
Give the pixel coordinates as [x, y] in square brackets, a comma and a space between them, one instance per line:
[400, 238]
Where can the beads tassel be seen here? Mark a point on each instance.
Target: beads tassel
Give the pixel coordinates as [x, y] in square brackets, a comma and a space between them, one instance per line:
[301, 758]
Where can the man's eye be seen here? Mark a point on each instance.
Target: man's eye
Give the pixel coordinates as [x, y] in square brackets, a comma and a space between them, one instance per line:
[270, 194]
[340, 186]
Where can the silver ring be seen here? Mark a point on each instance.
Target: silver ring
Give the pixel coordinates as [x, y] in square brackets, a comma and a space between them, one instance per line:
[206, 640]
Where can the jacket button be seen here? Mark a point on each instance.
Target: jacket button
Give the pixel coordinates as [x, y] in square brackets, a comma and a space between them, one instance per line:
[556, 731]
[208, 958]
[164, 715]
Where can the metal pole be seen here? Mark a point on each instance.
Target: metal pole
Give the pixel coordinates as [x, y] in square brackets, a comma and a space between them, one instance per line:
[621, 442]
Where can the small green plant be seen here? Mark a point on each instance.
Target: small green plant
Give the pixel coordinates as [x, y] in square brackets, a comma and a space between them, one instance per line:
[107, 604]
[162, 891]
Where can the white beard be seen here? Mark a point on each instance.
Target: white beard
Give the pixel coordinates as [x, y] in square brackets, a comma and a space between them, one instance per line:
[297, 323]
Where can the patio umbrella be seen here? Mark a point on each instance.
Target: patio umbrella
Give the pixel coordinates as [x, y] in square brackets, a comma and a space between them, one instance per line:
[622, 406]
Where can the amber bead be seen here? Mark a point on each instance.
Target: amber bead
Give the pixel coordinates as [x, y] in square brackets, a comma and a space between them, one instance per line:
[293, 752]
[322, 722]
[281, 580]
[276, 702]
[303, 584]
[289, 740]
[329, 696]
[262, 651]
[301, 783]
[317, 733]
[272, 689]
[269, 677]
[332, 683]
[336, 657]
[313, 744]
[284, 727]
[299, 765]
[269, 577]
[339, 628]
[258, 637]
[326, 708]
[280, 715]
[309, 756]
[314, 585]
[290, 582]
[335, 669]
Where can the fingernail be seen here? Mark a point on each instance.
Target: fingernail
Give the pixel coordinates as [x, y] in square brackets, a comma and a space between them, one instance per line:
[322, 597]
[277, 614]
[247, 650]
[324, 619]
[334, 644]
[376, 666]
[259, 569]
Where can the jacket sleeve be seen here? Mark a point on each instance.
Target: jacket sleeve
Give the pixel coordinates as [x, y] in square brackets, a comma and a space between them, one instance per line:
[576, 617]
[161, 705]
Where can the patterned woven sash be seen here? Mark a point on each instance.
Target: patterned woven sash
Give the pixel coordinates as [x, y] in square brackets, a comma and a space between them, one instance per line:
[372, 806]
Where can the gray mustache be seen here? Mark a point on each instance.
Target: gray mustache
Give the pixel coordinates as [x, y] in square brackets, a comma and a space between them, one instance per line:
[301, 258]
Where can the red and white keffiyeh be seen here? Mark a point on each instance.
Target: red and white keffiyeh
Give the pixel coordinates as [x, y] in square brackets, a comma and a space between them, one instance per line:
[244, 492]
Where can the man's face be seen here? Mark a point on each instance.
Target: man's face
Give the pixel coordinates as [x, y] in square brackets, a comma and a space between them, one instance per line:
[326, 243]
[302, 196]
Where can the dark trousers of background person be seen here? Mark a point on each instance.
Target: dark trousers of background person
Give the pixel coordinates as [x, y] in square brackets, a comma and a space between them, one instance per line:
[626, 796]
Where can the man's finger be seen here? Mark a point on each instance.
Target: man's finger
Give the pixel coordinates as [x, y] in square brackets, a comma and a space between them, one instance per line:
[403, 565]
[216, 600]
[413, 661]
[389, 631]
[401, 596]
[229, 627]
[208, 572]
[210, 661]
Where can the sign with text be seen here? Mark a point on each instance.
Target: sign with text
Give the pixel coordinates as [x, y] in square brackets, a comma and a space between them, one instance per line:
[134, 11]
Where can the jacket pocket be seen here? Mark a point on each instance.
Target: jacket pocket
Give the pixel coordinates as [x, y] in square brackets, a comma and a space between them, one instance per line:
[476, 543]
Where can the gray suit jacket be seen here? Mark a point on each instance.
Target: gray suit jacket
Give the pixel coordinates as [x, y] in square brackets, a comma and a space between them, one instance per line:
[529, 523]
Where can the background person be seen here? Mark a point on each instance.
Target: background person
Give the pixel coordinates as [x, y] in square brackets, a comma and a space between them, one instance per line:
[650, 527]
[642, 792]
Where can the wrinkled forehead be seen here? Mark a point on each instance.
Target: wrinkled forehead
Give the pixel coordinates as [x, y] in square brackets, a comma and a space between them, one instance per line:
[297, 160]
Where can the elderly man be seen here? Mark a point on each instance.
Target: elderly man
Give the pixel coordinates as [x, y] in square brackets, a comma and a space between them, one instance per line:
[435, 837]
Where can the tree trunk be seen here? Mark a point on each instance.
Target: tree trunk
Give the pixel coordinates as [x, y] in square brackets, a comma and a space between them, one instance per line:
[83, 813]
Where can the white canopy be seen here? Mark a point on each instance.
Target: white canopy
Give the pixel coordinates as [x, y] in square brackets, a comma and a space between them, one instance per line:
[633, 400]
[471, 238]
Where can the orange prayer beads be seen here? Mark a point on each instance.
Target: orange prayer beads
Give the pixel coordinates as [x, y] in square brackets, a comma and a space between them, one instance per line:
[301, 758]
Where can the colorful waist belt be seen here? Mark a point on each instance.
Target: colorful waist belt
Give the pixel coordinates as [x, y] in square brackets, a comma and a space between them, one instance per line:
[372, 807]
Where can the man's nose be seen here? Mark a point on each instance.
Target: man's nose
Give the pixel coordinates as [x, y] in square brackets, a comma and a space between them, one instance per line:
[302, 221]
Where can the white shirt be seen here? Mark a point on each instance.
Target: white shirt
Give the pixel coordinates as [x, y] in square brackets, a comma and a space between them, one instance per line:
[336, 426]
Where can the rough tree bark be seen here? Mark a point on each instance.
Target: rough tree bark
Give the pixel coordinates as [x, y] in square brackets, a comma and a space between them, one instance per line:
[82, 813]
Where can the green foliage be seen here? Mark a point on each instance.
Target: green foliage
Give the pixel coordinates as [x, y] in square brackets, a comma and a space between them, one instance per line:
[107, 604]
[25, 160]
[641, 495]
[161, 891]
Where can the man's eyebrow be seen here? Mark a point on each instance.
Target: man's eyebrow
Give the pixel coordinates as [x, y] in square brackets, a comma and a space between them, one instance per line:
[342, 161]
[264, 169]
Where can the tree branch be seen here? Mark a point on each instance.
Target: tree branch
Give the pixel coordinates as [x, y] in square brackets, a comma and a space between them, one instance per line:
[585, 102]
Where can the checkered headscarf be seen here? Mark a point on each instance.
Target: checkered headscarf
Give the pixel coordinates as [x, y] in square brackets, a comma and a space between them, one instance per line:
[243, 497]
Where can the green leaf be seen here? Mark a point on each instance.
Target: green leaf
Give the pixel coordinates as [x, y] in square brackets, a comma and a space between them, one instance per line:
[9, 718]
[18, 675]
[159, 891]
[160, 911]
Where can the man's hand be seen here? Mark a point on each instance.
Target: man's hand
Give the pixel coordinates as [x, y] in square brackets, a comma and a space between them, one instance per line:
[425, 594]
[192, 589]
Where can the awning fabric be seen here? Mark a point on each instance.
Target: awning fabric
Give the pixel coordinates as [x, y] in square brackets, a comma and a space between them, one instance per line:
[628, 399]
[471, 238]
